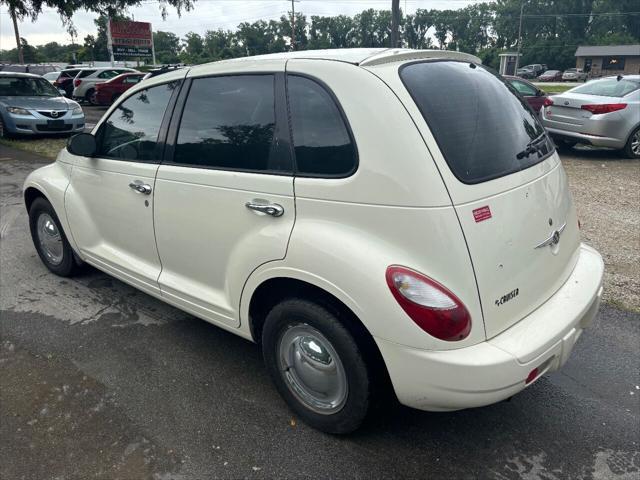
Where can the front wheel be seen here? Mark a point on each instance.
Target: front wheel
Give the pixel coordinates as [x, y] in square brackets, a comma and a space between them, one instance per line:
[632, 148]
[49, 239]
[316, 366]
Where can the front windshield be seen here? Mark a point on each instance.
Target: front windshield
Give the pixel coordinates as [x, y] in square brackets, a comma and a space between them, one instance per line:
[26, 87]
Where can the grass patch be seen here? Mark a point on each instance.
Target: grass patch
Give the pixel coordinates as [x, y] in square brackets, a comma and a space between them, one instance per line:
[45, 146]
[554, 88]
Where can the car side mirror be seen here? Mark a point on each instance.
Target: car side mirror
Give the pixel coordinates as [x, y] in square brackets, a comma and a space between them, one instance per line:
[82, 144]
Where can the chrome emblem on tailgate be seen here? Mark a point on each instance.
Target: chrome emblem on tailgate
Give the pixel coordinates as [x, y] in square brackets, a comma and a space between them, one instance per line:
[554, 239]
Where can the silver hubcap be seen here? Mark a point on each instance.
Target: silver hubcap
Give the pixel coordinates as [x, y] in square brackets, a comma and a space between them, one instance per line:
[635, 143]
[312, 369]
[50, 239]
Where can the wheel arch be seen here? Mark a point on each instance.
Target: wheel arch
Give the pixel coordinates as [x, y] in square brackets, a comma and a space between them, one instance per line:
[30, 195]
[270, 291]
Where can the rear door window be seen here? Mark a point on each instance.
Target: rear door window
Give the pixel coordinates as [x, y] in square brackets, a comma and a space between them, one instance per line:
[483, 129]
[523, 88]
[85, 73]
[229, 123]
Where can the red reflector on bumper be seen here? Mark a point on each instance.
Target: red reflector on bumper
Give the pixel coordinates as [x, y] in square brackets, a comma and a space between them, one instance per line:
[533, 374]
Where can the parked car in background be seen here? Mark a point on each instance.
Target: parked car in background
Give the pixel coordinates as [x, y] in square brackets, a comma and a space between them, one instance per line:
[107, 92]
[30, 105]
[86, 79]
[574, 75]
[550, 76]
[275, 213]
[51, 76]
[35, 68]
[531, 71]
[534, 96]
[603, 112]
[65, 81]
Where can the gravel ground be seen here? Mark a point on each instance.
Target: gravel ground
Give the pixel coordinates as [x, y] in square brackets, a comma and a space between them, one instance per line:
[606, 189]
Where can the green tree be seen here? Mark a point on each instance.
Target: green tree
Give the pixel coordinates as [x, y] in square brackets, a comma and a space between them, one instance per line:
[167, 47]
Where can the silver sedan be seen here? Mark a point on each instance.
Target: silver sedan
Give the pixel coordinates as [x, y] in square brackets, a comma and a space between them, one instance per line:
[604, 113]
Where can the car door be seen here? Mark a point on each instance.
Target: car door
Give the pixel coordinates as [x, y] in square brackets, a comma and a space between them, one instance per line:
[530, 94]
[224, 200]
[109, 201]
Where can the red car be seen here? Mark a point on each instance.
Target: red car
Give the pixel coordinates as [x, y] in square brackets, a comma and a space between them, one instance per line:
[551, 76]
[532, 94]
[107, 92]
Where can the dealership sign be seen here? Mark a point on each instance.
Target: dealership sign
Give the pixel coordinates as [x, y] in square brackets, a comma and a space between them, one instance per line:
[131, 39]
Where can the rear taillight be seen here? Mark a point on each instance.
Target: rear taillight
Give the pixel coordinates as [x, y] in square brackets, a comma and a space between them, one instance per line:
[604, 108]
[547, 102]
[430, 305]
[77, 82]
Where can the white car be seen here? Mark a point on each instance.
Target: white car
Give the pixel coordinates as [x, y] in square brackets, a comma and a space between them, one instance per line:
[51, 76]
[85, 81]
[373, 218]
[574, 75]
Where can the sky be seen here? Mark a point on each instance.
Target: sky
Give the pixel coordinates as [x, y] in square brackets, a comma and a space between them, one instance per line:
[206, 15]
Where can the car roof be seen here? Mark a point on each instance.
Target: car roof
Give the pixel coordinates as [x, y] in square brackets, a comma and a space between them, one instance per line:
[19, 74]
[355, 56]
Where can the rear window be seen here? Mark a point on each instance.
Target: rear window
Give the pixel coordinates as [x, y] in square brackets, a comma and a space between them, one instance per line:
[85, 73]
[609, 87]
[484, 130]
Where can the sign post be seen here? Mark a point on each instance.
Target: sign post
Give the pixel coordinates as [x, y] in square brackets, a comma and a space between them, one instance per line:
[131, 39]
[110, 43]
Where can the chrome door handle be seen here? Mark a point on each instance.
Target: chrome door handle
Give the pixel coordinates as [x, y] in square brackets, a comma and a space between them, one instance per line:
[140, 187]
[272, 209]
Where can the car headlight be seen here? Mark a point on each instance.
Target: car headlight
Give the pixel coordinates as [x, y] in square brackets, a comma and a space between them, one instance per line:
[77, 110]
[18, 111]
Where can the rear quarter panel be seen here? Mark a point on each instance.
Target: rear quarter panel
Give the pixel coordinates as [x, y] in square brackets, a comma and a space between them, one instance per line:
[394, 210]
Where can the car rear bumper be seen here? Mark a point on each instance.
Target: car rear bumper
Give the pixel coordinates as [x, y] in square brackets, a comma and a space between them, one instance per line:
[595, 140]
[496, 369]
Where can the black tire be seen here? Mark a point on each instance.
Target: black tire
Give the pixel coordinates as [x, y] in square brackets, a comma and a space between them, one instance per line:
[628, 148]
[564, 145]
[89, 97]
[3, 131]
[68, 265]
[301, 313]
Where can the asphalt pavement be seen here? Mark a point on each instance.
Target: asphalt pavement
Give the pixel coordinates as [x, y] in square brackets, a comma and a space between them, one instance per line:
[99, 380]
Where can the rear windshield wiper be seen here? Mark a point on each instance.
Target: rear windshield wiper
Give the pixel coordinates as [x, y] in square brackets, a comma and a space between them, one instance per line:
[534, 146]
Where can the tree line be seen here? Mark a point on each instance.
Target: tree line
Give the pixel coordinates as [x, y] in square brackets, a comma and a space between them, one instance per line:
[551, 32]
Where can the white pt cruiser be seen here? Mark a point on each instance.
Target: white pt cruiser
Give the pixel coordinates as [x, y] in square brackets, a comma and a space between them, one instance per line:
[372, 218]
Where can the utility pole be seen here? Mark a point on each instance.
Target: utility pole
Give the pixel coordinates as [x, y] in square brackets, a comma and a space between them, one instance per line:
[519, 38]
[17, 32]
[395, 23]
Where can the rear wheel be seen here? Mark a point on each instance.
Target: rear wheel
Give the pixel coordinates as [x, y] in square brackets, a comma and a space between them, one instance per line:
[564, 145]
[90, 97]
[316, 366]
[49, 239]
[632, 148]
